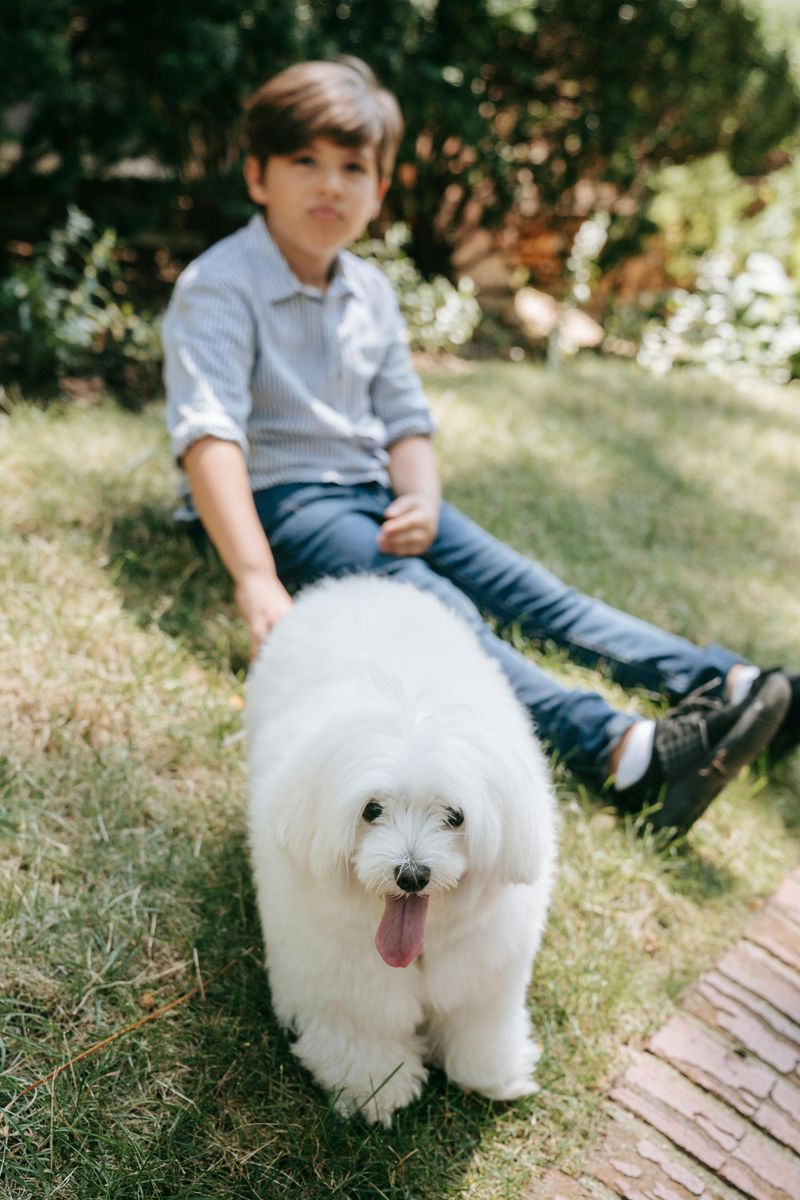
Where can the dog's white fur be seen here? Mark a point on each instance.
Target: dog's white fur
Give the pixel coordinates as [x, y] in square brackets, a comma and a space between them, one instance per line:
[371, 690]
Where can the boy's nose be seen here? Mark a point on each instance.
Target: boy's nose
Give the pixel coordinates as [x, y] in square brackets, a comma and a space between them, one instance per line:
[331, 183]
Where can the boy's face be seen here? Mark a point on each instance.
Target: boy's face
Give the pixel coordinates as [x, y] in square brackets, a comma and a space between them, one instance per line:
[317, 200]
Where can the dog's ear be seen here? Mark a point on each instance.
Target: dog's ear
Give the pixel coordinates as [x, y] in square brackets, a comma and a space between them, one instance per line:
[305, 797]
[523, 848]
[307, 828]
[516, 826]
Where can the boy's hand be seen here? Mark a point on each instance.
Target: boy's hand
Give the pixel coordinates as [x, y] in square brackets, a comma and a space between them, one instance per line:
[262, 600]
[410, 525]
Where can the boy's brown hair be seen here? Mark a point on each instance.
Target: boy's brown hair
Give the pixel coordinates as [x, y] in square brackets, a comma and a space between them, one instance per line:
[340, 100]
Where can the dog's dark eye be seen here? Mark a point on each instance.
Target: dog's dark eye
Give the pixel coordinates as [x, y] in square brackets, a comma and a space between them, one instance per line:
[455, 817]
[372, 811]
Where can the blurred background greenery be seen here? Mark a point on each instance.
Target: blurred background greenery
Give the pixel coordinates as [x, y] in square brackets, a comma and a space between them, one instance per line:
[620, 163]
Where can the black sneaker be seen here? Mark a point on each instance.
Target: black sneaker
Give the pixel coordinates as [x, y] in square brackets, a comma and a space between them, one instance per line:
[699, 747]
[787, 739]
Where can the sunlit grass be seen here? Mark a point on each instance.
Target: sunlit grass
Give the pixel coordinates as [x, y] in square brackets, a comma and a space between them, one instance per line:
[123, 872]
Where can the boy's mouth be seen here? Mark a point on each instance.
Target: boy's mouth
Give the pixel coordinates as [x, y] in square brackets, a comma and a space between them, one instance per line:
[323, 212]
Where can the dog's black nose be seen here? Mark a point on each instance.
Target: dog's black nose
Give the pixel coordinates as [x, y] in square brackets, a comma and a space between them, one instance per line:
[411, 877]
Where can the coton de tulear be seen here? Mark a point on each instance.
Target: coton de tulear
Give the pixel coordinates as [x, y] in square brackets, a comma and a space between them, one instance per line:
[402, 830]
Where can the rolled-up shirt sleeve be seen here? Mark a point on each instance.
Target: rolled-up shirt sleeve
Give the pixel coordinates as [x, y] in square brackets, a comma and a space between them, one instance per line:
[396, 391]
[209, 353]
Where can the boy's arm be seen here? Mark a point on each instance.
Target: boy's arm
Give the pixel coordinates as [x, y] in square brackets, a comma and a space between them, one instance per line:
[217, 474]
[411, 520]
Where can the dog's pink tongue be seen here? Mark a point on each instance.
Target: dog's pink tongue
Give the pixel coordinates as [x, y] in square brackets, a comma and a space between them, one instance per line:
[402, 929]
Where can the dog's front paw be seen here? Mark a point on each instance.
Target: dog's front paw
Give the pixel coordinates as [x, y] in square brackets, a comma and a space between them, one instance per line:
[378, 1099]
[510, 1089]
[368, 1075]
[498, 1068]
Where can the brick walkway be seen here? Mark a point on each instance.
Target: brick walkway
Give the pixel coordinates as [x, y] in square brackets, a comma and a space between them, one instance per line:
[711, 1109]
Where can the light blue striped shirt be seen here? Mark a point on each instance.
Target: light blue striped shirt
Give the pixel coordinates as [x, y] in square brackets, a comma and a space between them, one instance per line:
[314, 386]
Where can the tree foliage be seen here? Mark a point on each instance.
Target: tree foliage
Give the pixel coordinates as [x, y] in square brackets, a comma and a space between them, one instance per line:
[505, 100]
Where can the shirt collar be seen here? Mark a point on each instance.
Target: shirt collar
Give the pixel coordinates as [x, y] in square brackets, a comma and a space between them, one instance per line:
[279, 280]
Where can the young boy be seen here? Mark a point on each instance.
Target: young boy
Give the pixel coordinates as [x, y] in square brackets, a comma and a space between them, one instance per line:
[304, 436]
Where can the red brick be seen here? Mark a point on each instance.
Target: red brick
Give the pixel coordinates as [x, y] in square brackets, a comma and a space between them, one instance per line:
[555, 1185]
[755, 1025]
[778, 1125]
[778, 934]
[765, 975]
[788, 895]
[761, 1170]
[708, 1131]
[638, 1169]
[752, 1089]
[682, 1112]
[787, 1097]
[621, 1184]
[670, 1165]
[780, 1116]
[682, 1132]
[710, 1062]
[720, 1082]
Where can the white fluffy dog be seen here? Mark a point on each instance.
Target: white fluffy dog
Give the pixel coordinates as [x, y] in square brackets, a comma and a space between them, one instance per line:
[401, 817]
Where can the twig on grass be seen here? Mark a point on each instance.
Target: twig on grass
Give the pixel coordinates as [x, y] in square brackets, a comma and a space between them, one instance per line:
[158, 1012]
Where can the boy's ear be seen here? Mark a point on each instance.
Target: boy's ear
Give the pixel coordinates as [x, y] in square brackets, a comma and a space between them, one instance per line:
[383, 188]
[255, 173]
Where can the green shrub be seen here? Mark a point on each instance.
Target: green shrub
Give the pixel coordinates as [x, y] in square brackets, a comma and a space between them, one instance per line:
[733, 246]
[506, 101]
[742, 322]
[439, 316]
[59, 315]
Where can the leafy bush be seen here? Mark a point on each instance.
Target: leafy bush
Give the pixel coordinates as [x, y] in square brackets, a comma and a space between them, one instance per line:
[59, 315]
[744, 323]
[439, 315]
[703, 206]
[505, 100]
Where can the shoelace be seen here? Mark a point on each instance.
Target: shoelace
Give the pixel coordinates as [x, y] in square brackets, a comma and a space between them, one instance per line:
[698, 701]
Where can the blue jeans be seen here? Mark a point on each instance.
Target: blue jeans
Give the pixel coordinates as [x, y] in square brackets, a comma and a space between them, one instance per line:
[328, 529]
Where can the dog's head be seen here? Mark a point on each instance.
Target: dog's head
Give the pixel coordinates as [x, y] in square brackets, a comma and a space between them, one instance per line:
[406, 804]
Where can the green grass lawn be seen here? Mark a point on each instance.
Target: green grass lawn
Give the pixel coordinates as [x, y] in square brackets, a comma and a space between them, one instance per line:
[123, 870]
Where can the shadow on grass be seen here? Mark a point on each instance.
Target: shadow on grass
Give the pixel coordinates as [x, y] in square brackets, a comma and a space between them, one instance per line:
[536, 506]
[696, 878]
[167, 576]
[615, 472]
[783, 793]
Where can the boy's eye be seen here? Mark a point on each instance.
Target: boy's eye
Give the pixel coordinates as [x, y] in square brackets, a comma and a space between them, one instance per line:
[357, 167]
[304, 159]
